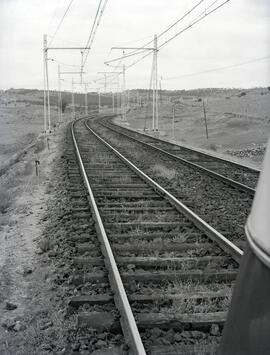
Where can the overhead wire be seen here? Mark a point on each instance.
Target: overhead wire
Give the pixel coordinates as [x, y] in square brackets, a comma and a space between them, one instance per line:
[220, 68]
[99, 13]
[61, 21]
[193, 23]
[54, 13]
[137, 51]
[182, 18]
[128, 55]
[182, 31]
[93, 25]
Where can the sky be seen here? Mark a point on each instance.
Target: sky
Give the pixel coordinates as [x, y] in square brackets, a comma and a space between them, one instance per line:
[236, 36]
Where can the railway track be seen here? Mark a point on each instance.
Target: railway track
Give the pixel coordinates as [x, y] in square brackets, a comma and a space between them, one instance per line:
[94, 295]
[166, 274]
[235, 174]
[214, 198]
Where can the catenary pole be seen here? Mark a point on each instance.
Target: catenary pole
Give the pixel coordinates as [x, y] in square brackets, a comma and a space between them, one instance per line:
[124, 95]
[72, 98]
[156, 83]
[45, 87]
[86, 103]
[59, 95]
[153, 91]
[47, 83]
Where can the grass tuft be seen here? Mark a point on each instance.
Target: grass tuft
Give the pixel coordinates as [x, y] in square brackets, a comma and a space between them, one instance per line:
[46, 244]
[164, 172]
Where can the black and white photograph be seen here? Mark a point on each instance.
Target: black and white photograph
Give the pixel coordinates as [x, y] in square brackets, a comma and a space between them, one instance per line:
[134, 177]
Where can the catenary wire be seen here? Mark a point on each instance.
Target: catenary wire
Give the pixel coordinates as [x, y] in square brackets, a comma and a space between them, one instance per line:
[220, 68]
[61, 21]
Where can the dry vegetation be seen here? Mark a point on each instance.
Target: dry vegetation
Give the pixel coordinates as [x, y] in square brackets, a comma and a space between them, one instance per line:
[238, 120]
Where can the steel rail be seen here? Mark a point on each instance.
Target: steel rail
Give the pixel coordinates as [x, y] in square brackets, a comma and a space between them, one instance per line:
[193, 150]
[217, 176]
[129, 325]
[214, 235]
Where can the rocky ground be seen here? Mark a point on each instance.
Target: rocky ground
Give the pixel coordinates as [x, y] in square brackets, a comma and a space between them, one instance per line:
[30, 301]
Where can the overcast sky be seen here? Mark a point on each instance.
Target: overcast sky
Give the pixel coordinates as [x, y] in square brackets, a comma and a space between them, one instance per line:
[238, 32]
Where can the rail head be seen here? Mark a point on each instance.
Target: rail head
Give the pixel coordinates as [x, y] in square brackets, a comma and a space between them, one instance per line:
[130, 326]
[214, 235]
[188, 148]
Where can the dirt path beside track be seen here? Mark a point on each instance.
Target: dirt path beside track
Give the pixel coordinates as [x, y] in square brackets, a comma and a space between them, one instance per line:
[29, 318]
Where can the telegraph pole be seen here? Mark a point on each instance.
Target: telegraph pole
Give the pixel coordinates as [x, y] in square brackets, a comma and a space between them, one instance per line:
[205, 120]
[113, 102]
[173, 120]
[99, 101]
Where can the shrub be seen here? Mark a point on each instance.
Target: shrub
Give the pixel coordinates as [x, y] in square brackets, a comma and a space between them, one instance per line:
[242, 94]
[5, 200]
[213, 147]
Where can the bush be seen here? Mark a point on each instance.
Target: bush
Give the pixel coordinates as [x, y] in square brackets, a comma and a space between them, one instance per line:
[242, 94]
[213, 147]
[5, 200]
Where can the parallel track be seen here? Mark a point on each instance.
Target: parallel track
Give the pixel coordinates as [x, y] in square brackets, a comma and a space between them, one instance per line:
[176, 270]
[235, 174]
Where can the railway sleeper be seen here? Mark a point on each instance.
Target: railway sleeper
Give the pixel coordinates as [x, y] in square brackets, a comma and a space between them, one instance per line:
[183, 349]
[79, 278]
[176, 321]
[158, 246]
[79, 301]
[190, 236]
[143, 225]
[158, 262]
[113, 185]
[139, 210]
